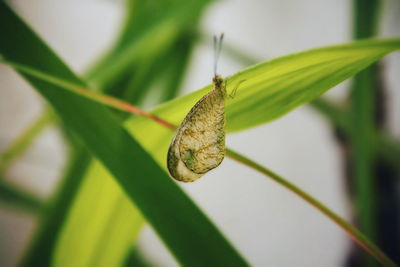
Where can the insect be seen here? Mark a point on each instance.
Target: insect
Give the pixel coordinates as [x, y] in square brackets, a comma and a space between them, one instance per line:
[199, 143]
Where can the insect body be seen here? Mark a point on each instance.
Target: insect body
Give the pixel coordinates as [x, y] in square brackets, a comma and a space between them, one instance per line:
[199, 143]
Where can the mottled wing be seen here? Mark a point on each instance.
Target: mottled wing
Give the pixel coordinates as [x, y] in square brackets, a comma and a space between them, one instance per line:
[199, 144]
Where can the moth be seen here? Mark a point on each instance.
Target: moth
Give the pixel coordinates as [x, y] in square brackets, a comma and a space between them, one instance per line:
[199, 143]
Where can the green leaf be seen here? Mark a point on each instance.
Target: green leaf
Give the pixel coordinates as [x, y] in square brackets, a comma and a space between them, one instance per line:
[22, 142]
[182, 226]
[105, 221]
[273, 88]
[154, 34]
[16, 198]
[270, 90]
[51, 221]
[363, 161]
[335, 114]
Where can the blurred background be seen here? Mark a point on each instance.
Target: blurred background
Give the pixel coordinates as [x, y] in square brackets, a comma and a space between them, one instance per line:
[267, 224]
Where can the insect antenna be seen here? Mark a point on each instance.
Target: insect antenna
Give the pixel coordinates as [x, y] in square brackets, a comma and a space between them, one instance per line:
[217, 50]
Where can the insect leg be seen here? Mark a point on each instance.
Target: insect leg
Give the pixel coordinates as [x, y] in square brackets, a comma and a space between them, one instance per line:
[233, 93]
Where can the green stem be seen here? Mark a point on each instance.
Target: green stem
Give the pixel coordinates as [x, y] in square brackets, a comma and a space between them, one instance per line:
[354, 234]
[19, 198]
[363, 127]
[387, 147]
[22, 143]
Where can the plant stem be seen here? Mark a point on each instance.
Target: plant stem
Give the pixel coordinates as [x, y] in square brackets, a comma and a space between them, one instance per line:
[19, 198]
[22, 143]
[363, 126]
[354, 234]
[350, 230]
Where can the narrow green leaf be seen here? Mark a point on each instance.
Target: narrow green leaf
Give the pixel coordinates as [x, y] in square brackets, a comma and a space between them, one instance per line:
[136, 259]
[276, 87]
[179, 64]
[270, 90]
[336, 115]
[182, 226]
[154, 36]
[273, 88]
[55, 212]
[105, 221]
[22, 142]
[362, 122]
[364, 102]
[14, 197]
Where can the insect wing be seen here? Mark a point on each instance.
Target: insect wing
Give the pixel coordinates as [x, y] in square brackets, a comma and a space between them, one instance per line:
[199, 144]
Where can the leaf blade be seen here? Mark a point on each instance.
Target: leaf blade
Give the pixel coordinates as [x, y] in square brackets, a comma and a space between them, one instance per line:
[274, 93]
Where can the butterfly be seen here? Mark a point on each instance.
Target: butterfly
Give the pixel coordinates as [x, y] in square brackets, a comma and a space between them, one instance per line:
[199, 143]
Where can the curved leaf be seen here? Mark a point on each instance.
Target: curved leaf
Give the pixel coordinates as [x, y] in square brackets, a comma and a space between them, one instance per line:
[270, 89]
